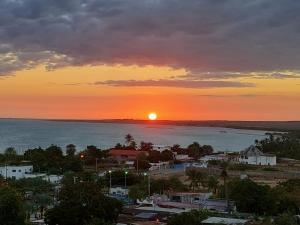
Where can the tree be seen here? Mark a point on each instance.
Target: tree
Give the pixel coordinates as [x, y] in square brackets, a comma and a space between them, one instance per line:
[128, 139]
[141, 165]
[83, 203]
[193, 217]
[154, 156]
[166, 156]
[253, 198]
[70, 150]
[146, 146]
[212, 183]
[11, 211]
[197, 178]
[286, 219]
[194, 150]
[10, 154]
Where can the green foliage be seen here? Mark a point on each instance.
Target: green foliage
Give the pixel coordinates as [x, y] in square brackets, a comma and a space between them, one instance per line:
[118, 178]
[285, 219]
[166, 156]
[251, 197]
[83, 203]
[36, 185]
[196, 151]
[194, 217]
[52, 160]
[146, 146]
[288, 145]
[158, 186]
[11, 211]
[197, 178]
[212, 183]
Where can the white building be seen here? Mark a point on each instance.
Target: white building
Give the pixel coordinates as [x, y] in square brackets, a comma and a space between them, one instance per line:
[214, 157]
[118, 190]
[161, 148]
[254, 156]
[15, 172]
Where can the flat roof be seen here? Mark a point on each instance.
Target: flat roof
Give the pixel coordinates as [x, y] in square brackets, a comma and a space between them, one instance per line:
[224, 220]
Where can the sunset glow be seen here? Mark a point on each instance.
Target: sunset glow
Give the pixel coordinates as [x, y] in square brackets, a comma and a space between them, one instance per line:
[152, 116]
[115, 67]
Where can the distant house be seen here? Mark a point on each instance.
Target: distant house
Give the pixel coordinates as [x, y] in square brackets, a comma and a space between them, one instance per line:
[187, 197]
[15, 172]
[214, 157]
[161, 148]
[188, 201]
[221, 220]
[254, 156]
[122, 155]
[118, 190]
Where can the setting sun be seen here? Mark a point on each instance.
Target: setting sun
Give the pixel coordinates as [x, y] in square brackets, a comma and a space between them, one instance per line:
[152, 116]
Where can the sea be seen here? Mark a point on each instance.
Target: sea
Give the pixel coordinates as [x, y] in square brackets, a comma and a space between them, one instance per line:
[23, 134]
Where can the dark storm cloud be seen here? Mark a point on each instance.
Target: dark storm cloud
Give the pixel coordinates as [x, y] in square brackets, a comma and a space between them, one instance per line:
[199, 35]
[174, 83]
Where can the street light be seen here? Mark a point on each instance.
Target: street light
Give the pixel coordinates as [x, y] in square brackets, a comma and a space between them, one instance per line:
[109, 180]
[149, 188]
[126, 172]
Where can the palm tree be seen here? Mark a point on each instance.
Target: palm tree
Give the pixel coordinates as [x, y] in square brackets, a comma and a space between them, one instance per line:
[224, 175]
[213, 183]
[128, 139]
[42, 201]
[197, 178]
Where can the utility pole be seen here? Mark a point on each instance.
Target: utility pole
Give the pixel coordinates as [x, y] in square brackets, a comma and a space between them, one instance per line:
[126, 172]
[149, 187]
[109, 180]
[96, 165]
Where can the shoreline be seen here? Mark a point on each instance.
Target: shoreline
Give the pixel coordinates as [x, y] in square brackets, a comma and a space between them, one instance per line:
[275, 126]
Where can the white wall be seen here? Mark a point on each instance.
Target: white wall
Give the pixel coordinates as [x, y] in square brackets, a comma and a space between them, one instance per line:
[118, 191]
[15, 172]
[259, 160]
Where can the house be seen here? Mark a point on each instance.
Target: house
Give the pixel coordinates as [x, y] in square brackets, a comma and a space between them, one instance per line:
[15, 171]
[214, 157]
[254, 156]
[159, 166]
[182, 157]
[187, 197]
[123, 155]
[118, 190]
[188, 201]
[221, 220]
[218, 205]
[161, 148]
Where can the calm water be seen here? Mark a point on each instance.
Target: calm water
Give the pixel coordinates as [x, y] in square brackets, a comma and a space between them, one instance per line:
[24, 134]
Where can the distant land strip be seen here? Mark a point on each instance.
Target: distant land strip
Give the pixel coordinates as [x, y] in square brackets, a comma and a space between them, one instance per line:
[283, 126]
[279, 126]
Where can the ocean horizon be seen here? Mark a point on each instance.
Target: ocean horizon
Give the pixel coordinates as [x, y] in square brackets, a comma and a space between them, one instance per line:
[23, 134]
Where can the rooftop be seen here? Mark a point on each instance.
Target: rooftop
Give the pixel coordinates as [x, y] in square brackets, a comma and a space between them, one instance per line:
[221, 220]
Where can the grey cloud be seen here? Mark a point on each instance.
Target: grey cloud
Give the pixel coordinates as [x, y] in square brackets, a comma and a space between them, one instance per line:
[174, 83]
[199, 35]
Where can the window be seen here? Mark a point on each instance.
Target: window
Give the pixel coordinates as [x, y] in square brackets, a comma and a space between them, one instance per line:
[20, 171]
[13, 171]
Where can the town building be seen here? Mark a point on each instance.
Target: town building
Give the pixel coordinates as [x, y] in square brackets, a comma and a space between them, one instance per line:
[123, 155]
[15, 171]
[118, 190]
[254, 156]
[161, 148]
[187, 197]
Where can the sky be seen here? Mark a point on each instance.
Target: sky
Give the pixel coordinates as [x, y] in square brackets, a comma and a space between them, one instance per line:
[116, 59]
